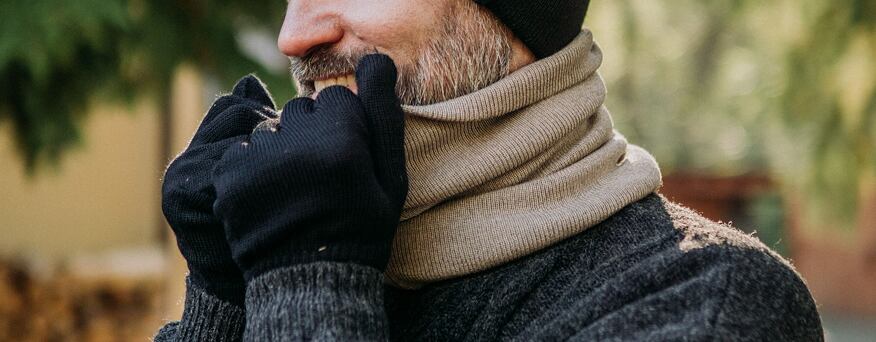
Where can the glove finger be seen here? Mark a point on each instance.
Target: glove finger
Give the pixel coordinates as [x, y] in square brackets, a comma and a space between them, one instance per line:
[248, 91]
[239, 119]
[376, 77]
[217, 108]
[340, 103]
[251, 88]
[295, 108]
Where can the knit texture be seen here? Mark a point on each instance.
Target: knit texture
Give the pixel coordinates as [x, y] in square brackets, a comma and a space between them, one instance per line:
[205, 318]
[327, 184]
[513, 168]
[187, 192]
[320, 301]
[654, 271]
[545, 26]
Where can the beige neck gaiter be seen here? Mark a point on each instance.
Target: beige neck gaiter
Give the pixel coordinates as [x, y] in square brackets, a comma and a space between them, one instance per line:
[513, 168]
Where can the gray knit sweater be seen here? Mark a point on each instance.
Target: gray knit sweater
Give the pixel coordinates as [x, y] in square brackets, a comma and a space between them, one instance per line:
[653, 271]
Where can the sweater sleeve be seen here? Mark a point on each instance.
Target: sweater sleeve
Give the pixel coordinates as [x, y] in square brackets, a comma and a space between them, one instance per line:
[204, 318]
[317, 301]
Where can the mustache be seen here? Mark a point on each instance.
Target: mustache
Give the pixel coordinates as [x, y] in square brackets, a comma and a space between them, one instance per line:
[324, 62]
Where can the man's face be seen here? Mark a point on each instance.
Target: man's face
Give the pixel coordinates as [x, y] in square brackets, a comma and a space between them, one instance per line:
[442, 48]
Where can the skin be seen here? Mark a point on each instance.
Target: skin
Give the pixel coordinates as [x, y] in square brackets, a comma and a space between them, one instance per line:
[397, 28]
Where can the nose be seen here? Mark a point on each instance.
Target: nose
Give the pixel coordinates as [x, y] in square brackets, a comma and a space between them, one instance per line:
[308, 24]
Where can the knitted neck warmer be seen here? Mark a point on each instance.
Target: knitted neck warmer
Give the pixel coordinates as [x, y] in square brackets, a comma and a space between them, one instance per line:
[513, 168]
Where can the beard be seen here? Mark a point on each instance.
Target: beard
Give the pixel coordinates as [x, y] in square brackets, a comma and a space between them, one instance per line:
[471, 50]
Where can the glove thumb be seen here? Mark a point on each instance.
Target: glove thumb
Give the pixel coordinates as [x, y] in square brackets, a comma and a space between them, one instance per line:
[376, 77]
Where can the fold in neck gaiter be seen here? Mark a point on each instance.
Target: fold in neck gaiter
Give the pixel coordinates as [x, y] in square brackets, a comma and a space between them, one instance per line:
[513, 168]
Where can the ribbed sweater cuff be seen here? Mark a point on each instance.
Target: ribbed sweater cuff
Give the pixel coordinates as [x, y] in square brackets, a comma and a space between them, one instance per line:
[207, 318]
[317, 301]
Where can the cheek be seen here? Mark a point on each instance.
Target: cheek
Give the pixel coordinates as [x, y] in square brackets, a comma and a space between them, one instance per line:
[397, 28]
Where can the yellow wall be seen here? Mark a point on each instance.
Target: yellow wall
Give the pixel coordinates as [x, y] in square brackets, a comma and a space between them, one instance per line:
[104, 196]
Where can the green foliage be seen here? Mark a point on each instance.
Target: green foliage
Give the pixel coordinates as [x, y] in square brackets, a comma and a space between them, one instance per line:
[50, 55]
[768, 216]
[681, 76]
[826, 71]
[57, 56]
[742, 86]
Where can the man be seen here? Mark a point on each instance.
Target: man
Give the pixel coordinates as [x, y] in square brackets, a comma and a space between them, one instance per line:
[451, 174]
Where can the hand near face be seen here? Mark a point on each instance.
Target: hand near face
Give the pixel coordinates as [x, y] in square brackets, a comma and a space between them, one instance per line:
[188, 193]
[327, 184]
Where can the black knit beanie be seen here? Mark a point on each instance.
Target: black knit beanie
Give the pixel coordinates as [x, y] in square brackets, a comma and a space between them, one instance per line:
[545, 26]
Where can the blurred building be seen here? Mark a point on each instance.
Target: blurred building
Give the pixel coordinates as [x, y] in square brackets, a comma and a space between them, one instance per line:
[86, 253]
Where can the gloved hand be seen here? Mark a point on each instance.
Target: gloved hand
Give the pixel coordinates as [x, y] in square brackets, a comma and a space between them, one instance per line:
[328, 184]
[188, 193]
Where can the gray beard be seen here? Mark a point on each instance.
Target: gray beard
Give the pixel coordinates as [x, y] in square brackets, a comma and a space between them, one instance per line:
[471, 51]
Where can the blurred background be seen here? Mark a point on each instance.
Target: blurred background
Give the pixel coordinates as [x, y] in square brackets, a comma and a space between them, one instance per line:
[760, 113]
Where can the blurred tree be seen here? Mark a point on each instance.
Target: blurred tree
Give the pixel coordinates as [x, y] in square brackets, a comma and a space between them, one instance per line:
[740, 86]
[57, 56]
[830, 101]
[677, 74]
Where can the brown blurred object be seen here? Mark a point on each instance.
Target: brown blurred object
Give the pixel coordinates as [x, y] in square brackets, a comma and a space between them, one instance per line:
[65, 307]
[715, 197]
[841, 273]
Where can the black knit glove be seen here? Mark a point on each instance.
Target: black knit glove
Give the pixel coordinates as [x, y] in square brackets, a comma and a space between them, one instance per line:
[188, 193]
[327, 184]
